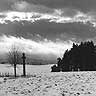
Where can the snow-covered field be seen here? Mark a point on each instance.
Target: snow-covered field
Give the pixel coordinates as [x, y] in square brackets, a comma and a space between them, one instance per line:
[44, 83]
[30, 69]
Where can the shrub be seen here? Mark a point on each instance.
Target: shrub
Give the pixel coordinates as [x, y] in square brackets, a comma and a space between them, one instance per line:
[54, 68]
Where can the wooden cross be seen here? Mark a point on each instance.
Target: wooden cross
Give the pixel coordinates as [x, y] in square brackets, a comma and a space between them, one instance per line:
[24, 70]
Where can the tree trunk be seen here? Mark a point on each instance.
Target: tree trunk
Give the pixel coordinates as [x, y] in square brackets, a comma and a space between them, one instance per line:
[15, 70]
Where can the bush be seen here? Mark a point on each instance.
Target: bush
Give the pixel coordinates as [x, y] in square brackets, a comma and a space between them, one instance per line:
[54, 68]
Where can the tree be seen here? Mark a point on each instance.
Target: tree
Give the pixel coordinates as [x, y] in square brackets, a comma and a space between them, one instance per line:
[14, 57]
[81, 56]
[59, 62]
[65, 61]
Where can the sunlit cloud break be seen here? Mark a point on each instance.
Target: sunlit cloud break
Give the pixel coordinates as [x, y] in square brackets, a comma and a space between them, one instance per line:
[34, 47]
[12, 16]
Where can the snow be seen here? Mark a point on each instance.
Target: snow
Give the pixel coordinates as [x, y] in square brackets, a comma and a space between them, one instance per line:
[44, 83]
[7, 68]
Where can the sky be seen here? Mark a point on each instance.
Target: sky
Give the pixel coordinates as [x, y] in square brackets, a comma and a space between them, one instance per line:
[47, 27]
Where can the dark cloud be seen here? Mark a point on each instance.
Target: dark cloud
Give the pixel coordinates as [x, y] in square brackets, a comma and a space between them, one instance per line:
[6, 4]
[7, 29]
[84, 5]
[68, 8]
[51, 31]
[45, 28]
[30, 7]
[69, 12]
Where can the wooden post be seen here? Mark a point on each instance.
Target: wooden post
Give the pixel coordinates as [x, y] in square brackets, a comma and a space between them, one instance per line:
[24, 70]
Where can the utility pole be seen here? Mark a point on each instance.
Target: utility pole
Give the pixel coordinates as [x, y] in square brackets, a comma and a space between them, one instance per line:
[24, 70]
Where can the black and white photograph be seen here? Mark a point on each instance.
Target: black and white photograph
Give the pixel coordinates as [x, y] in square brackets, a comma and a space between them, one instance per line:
[47, 47]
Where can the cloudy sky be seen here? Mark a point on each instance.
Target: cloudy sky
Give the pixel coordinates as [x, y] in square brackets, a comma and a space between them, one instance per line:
[47, 27]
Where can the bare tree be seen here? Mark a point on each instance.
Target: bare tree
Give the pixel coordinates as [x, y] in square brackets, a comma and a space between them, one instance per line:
[14, 57]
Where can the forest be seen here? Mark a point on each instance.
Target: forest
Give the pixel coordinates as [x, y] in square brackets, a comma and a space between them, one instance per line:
[81, 57]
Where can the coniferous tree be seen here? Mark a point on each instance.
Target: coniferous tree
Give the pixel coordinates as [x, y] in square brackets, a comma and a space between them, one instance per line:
[81, 56]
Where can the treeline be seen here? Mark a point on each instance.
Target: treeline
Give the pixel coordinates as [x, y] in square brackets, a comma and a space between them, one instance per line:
[80, 57]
